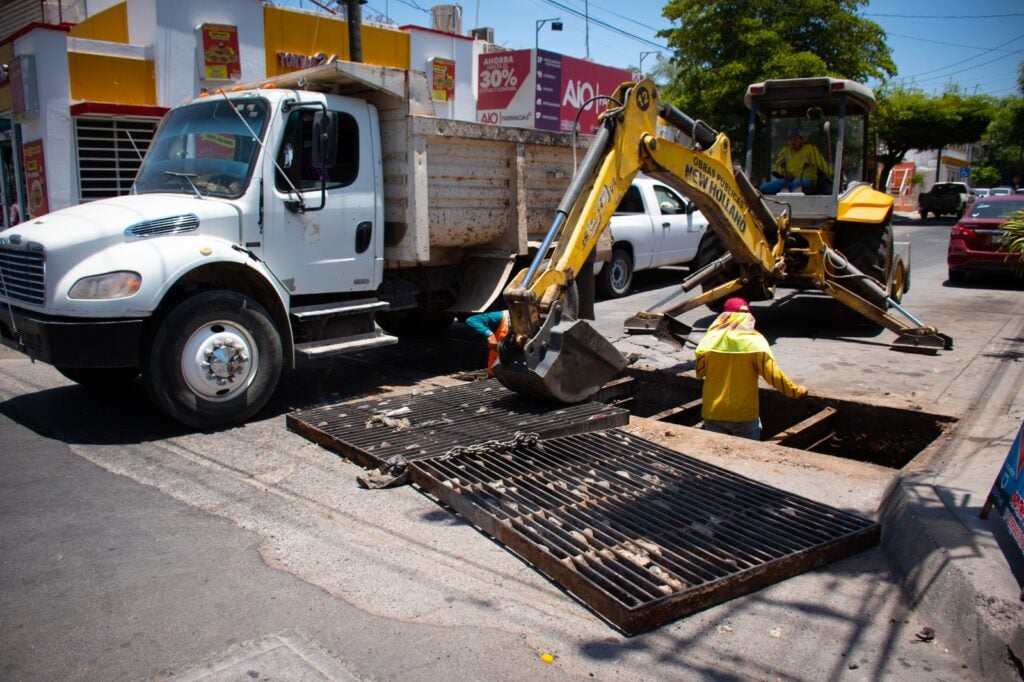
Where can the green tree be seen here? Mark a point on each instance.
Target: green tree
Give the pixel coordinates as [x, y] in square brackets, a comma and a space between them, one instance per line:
[983, 175]
[721, 47]
[910, 119]
[1004, 139]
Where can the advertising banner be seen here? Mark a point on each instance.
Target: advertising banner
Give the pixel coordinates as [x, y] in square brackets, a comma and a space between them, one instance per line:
[582, 81]
[544, 90]
[505, 88]
[549, 90]
[442, 81]
[221, 61]
[35, 178]
[24, 90]
[1008, 491]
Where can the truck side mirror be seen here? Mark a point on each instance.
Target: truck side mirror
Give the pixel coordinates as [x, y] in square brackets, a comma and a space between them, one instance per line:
[325, 139]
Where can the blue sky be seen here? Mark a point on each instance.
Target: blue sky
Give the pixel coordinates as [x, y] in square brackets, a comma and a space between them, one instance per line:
[977, 45]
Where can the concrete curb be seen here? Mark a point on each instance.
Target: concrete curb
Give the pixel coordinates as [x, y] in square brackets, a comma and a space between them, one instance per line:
[921, 539]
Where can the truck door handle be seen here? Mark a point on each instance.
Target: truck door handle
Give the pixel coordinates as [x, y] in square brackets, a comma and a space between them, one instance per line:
[666, 224]
[364, 235]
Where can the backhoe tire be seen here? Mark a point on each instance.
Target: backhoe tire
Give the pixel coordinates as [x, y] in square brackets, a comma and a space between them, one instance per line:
[869, 248]
[415, 324]
[616, 277]
[711, 249]
[214, 360]
[100, 377]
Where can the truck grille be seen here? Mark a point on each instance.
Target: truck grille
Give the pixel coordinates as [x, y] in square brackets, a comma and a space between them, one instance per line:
[22, 274]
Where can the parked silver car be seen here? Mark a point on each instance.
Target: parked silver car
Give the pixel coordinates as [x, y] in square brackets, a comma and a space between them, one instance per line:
[653, 226]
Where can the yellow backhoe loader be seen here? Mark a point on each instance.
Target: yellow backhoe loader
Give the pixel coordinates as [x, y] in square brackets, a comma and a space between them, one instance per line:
[837, 241]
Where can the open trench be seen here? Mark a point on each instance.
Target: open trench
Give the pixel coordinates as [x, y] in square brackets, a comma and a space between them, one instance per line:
[639, 533]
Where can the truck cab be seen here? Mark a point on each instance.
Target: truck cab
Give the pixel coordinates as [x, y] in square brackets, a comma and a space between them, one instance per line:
[287, 219]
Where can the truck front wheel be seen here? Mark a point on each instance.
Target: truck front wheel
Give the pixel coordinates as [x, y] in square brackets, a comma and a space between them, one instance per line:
[215, 360]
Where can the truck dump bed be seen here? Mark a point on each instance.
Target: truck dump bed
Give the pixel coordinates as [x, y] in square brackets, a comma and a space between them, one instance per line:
[452, 189]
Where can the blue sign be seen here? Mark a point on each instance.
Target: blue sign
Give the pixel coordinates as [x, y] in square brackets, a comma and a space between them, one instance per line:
[965, 173]
[1008, 491]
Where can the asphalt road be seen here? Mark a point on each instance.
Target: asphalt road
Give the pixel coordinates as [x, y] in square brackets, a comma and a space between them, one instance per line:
[131, 548]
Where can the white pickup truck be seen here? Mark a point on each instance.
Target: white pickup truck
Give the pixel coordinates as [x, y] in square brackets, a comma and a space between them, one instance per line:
[653, 226]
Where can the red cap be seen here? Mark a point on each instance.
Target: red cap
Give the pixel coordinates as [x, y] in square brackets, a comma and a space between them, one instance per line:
[736, 305]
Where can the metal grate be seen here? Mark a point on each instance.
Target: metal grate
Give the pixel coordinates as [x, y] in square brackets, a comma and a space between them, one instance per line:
[430, 423]
[640, 533]
[22, 274]
[110, 151]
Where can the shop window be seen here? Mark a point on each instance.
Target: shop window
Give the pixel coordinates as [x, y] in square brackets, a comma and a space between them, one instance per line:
[295, 155]
[110, 152]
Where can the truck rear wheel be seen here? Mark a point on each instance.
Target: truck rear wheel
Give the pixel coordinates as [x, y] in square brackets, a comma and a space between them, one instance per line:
[869, 249]
[215, 360]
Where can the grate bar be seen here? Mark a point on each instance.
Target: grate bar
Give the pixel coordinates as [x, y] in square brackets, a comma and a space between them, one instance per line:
[440, 419]
[640, 533]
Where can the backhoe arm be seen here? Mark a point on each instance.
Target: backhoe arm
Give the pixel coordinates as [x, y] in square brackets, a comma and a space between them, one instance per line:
[550, 353]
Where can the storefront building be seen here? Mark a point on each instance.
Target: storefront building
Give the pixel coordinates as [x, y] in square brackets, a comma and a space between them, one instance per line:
[84, 83]
[81, 92]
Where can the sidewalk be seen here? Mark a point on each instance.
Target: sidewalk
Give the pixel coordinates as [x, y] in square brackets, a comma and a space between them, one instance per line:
[952, 563]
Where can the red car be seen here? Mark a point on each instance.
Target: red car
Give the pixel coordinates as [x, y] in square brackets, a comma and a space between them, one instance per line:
[975, 242]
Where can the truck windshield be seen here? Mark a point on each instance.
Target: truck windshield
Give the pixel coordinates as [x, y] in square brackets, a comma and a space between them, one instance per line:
[205, 148]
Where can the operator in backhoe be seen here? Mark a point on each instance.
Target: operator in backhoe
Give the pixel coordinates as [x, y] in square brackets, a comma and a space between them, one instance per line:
[730, 357]
[799, 166]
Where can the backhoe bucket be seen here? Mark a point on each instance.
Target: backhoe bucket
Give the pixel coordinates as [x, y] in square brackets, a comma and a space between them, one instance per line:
[566, 362]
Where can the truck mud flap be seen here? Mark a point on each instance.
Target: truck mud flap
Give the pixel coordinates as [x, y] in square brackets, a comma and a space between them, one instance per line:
[639, 533]
[566, 363]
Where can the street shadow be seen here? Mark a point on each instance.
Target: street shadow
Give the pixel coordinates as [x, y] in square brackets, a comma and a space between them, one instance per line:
[813, 316]
[76, 414]
[988, 280]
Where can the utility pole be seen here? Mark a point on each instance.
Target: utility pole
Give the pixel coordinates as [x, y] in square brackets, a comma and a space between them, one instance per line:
[354, 15]
[586, 25]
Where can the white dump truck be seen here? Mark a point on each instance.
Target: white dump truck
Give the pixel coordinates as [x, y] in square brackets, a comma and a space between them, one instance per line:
[273, 222]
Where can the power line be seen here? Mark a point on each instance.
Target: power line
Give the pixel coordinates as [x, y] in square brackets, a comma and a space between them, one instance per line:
[653, 29]
[963, 61]
[940, 42]
[943, 16]
[602, 24]
[953, 73]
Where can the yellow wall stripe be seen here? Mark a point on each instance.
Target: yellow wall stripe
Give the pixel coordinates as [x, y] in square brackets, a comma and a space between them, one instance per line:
[110, 25]
[100, 78]
[310, 34]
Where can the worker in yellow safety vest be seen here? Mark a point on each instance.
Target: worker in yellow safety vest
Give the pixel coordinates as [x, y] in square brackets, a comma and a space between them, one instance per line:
[730, 357]
[493, 326]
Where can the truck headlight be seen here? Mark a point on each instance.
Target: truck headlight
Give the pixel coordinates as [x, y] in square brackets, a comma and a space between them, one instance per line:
[120, 284]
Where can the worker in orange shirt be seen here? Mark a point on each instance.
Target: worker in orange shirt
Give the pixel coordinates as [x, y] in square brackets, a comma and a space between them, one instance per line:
[730, 358]
[493, 326]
